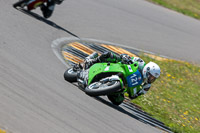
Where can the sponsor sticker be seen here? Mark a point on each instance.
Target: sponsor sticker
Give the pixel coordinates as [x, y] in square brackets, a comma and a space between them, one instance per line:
[129, 68]
[107, 68]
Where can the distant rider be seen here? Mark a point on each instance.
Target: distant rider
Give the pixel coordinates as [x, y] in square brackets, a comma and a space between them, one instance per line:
[48, 8]
[149, 71]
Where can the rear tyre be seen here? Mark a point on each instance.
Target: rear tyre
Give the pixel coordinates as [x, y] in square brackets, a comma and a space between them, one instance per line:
[98, 88]
[70, 75]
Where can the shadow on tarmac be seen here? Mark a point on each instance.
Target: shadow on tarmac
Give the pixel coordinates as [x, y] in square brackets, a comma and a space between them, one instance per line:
[40, 18]
[132, 111]
[135, 113]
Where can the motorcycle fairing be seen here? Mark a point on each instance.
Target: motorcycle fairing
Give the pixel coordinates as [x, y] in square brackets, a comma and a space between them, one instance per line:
[99, 68]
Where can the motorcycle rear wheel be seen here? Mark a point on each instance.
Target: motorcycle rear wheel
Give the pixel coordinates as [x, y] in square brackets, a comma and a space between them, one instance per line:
[98, 88]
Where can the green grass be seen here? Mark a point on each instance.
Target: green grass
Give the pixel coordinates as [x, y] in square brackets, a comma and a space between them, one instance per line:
[187, 7]
[174, 98]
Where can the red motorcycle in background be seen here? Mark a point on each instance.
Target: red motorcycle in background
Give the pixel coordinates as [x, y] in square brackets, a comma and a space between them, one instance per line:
[46, 6]
[30, 4]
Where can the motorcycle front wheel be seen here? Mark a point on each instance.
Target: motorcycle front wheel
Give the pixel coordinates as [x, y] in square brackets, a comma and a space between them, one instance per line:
[20, 3]
[98, 88]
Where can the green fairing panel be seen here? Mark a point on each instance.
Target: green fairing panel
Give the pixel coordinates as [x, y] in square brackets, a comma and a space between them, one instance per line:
[133, 90]
[126, 70]
[103, 67]
[130, 69]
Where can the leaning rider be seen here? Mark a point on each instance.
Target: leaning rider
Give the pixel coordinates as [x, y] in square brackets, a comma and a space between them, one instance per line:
[149, 71]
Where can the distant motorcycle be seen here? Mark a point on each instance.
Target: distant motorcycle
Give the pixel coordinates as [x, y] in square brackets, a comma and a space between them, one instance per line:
[30, 4]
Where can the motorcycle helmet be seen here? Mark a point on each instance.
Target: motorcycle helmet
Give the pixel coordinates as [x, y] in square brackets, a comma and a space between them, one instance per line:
[151, 72]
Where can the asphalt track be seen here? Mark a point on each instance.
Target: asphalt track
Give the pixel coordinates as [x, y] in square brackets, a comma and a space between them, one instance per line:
[33, 94]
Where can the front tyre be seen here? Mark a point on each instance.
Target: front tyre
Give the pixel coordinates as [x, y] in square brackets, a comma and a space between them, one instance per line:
[19, 4]
[70, 75]
[99, 88]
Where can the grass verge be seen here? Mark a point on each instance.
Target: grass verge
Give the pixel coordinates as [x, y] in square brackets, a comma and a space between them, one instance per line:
[187, 7]
[174, 98]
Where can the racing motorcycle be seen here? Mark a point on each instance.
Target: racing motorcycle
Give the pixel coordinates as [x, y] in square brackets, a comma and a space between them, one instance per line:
[107, 79]
[30, 4]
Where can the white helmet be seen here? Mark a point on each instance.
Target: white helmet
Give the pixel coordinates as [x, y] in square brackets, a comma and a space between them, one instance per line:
[151, 72]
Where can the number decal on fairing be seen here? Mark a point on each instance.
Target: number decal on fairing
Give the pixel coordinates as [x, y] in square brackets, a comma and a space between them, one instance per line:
[134, 79]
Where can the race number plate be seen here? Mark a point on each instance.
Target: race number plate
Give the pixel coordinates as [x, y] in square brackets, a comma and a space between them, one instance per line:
[134, 79]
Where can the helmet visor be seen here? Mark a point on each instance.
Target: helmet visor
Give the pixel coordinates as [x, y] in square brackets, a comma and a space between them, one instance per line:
[151, 78]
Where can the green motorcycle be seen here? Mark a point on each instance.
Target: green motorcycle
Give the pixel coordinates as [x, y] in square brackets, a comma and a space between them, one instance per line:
[108, 79]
